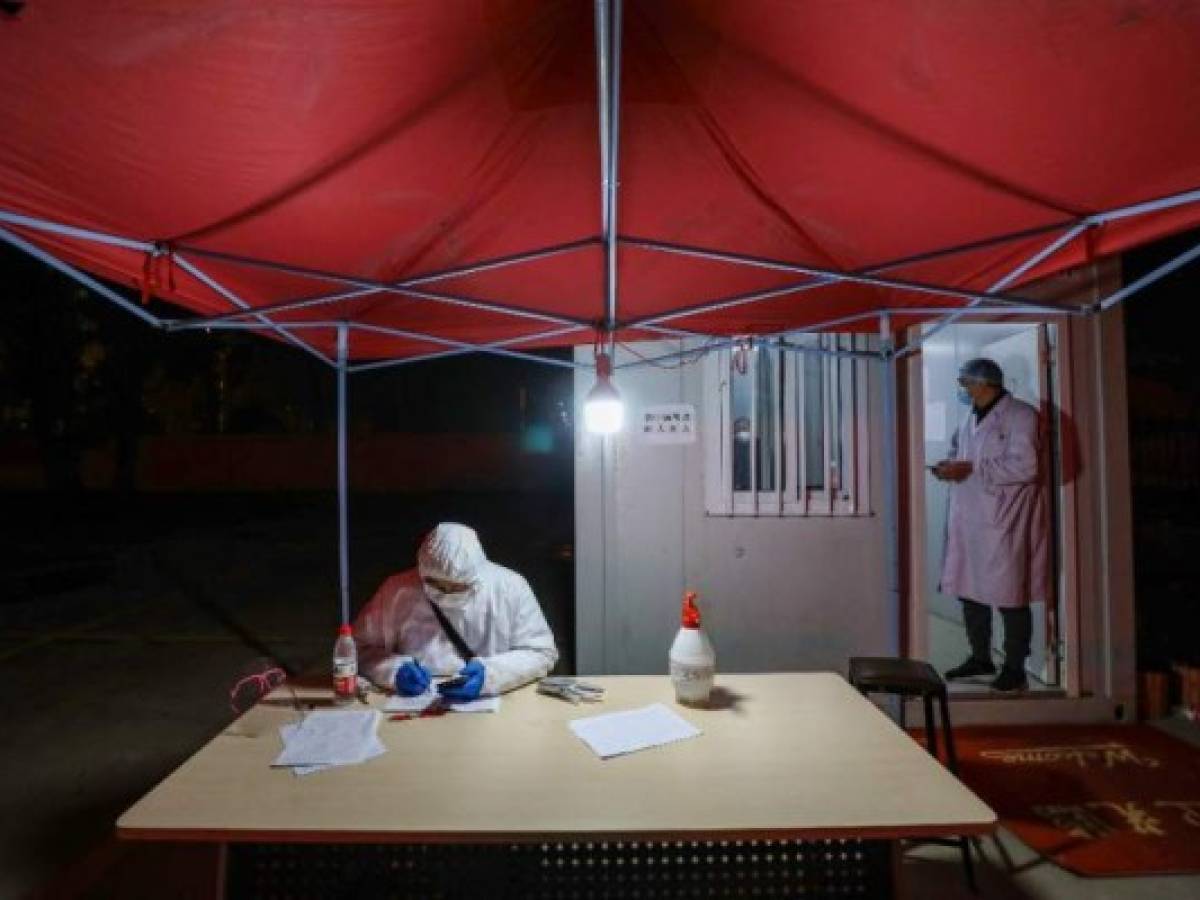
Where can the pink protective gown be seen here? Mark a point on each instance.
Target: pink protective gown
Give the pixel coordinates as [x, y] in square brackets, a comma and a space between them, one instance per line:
[997, 529]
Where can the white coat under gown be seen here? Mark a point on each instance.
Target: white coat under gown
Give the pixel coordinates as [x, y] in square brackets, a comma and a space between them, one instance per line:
[997, 528]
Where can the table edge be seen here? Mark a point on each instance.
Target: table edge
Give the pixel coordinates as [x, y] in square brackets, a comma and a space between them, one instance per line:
[298, 836]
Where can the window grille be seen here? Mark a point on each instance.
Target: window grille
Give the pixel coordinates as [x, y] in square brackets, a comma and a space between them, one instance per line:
[792, 437]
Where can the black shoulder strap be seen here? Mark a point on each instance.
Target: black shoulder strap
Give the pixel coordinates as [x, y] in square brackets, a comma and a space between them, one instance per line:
[463, 648]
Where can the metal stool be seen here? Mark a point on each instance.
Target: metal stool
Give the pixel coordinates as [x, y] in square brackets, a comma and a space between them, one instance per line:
[915, 678]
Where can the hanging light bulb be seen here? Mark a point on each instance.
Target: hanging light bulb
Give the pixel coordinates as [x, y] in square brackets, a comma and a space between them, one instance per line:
[603, 410]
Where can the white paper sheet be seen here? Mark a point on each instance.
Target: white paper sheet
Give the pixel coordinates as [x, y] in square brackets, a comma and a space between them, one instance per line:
[400, 704]
[482, 705]
[330, 737]
[613, 734]
[374, 749]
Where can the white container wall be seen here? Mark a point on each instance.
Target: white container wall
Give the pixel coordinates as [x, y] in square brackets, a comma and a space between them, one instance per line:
[777, 593]
[806, 593]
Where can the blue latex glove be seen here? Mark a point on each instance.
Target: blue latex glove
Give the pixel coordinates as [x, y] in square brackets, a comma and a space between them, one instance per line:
[412, 679]
[468, 690]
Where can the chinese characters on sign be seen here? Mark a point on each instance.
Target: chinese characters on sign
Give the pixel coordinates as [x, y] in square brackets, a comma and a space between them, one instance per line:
[668, 423]
[1101, 818]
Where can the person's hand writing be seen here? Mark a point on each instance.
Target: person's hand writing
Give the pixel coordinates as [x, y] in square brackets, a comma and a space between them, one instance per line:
[467, 685]
[412, 679]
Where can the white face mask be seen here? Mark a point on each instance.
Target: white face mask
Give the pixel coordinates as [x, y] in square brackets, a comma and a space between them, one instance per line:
[442, 598]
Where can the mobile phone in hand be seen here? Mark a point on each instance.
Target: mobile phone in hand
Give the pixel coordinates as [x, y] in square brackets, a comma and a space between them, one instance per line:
[453, 682]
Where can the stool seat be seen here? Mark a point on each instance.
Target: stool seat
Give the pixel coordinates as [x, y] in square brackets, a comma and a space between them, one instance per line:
[886, 674]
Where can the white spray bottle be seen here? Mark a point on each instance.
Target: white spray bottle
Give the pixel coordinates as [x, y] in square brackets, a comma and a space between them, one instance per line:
[692, 659]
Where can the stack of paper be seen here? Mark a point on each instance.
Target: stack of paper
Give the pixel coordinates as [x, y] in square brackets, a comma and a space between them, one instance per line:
[400, 704]
[331, 738]
[635, 729]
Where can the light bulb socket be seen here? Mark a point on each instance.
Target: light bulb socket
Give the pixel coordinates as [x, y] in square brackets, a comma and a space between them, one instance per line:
[604, 413]
[604, 366]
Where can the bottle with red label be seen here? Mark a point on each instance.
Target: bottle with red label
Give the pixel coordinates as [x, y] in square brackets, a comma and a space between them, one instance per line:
[345, 667]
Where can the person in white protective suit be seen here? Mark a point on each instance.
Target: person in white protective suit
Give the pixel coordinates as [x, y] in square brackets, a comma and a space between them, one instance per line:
[997, 529]
[455, 614]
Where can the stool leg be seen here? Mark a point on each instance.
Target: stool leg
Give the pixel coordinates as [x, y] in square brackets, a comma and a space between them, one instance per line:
[952, 765]
[951, 756]
[968, 864]
[931, 738]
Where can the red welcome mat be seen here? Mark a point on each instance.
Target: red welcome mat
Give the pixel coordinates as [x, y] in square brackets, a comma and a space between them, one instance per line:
[1096, 800]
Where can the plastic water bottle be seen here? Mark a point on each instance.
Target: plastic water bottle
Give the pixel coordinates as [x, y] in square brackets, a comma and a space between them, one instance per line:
[345, 667]
[692, 660]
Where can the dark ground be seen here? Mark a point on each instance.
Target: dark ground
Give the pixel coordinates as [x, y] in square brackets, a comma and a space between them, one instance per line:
[123, 623]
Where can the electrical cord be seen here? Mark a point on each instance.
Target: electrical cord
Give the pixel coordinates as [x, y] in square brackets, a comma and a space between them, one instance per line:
[691, 358]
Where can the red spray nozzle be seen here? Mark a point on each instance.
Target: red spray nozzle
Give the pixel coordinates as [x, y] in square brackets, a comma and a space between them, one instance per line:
[344, 629]
[691, 613]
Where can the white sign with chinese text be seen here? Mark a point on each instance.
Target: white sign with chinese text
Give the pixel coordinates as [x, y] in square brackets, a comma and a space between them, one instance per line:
[668, 423]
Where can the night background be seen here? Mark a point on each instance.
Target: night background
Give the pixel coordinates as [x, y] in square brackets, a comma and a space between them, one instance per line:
[170, 522]
[1164, 427]
[114, 436]
[170, 525]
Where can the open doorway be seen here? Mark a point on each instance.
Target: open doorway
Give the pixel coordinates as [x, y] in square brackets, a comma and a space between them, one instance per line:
[1025, 353]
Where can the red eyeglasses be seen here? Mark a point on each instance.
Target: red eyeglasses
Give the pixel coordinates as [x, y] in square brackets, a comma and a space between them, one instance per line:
[255, 685]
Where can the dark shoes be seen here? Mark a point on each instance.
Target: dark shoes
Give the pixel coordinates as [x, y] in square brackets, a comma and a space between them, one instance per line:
[972, 668]
[1010, 680]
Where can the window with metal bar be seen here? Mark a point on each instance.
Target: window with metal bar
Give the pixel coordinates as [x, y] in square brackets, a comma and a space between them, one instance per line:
[792, 437]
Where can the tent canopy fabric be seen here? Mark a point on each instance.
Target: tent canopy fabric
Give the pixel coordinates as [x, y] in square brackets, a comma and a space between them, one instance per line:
[263, 153]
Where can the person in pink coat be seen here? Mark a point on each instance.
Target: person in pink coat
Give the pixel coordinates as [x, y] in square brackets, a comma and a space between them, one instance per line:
[997, 530]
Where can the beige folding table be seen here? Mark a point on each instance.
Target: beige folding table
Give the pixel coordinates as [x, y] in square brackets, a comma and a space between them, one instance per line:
[794, 773]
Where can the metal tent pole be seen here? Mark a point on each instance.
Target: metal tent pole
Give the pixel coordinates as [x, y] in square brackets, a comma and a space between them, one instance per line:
[891, 487]
[407, 287]
[70, 231]
[343, 354]
[1148, 279]
[494, 349]
[364, 287]
[1035, 260]
[220, 289]
[988, 312]
[830, 276]
[614, 155]
[82, 277]
[489, 347]
[602, 98]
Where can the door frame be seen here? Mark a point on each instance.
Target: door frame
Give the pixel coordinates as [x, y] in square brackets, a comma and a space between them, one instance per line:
[1065, 504]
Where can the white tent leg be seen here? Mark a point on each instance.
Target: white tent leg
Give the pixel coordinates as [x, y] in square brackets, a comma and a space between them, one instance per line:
[891, 494]
[343, 347]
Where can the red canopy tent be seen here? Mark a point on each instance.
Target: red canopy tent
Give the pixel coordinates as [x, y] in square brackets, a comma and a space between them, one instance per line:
[383, 182]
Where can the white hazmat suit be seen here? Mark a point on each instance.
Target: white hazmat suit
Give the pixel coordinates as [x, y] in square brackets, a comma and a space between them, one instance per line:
[498, 617]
